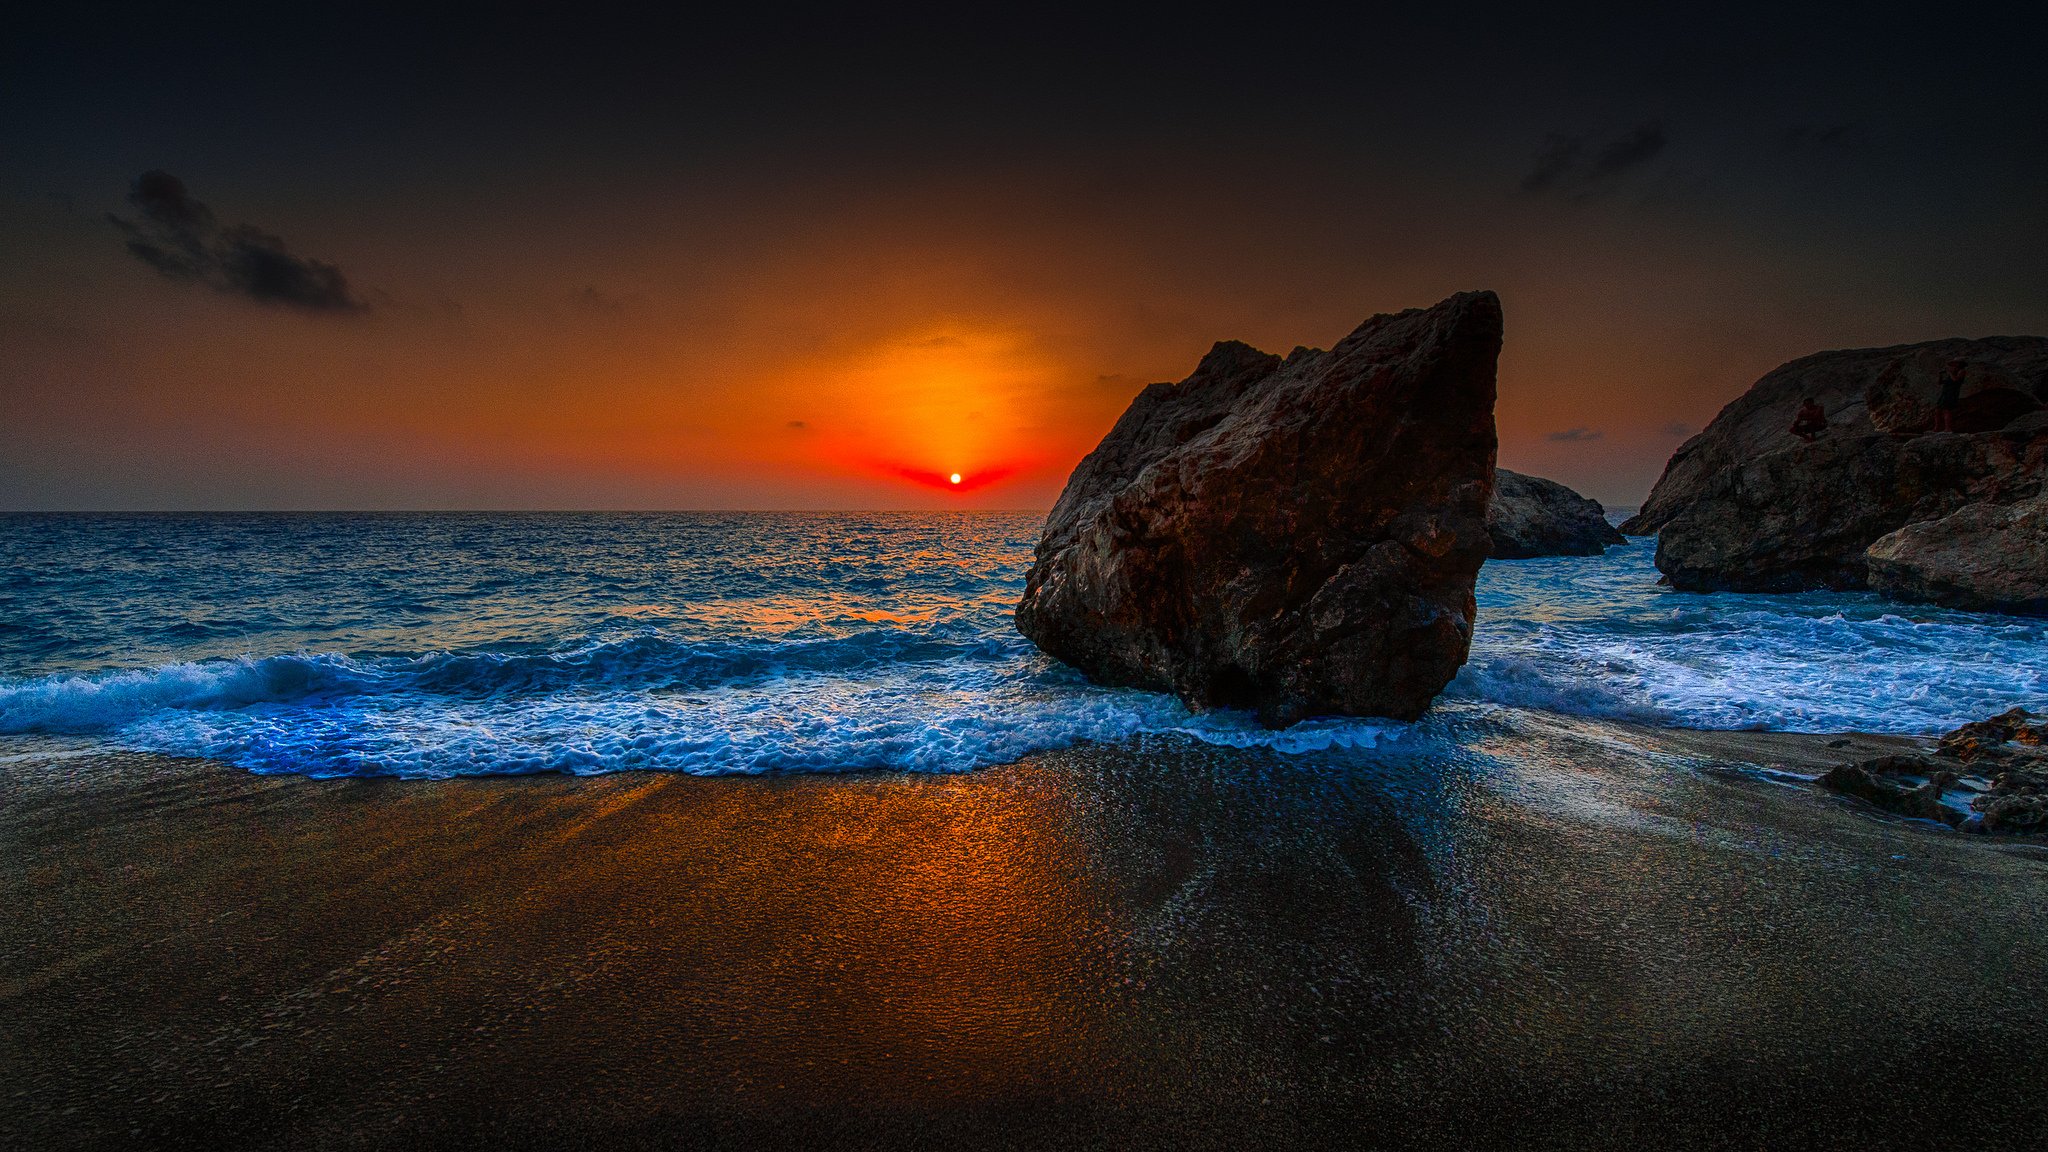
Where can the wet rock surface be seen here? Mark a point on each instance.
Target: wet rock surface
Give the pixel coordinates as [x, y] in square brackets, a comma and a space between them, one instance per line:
[1294, 536]
[1986, 557]
[1531, 516]
[1990, 776]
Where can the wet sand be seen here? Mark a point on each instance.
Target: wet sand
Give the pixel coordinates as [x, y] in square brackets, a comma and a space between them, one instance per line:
[1542, 933]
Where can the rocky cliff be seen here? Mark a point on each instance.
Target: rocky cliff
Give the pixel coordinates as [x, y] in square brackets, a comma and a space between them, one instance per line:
[1863, 391]
[1294, 536]
[1530, 516]
[1747, 506]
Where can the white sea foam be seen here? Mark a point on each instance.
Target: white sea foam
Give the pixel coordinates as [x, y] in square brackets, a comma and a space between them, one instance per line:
[930, 705]
[1598, 637]
[809, 644]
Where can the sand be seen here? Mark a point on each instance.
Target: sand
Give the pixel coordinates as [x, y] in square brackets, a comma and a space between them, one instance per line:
[1555, 933]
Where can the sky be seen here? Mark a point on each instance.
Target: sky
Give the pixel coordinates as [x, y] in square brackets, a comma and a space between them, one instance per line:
[288, 257]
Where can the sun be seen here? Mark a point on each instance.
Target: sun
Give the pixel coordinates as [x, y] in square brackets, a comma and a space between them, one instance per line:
[953, 479]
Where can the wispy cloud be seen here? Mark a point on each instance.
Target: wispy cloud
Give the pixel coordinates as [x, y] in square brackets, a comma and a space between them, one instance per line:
[1575, 436]
[1583, 166]
[180, 238]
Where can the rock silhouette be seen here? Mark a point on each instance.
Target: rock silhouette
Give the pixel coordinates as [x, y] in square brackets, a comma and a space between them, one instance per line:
[1294, 536]
[1530, 516]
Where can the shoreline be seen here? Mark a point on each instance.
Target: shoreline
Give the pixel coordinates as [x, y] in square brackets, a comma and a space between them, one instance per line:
[1542, 936]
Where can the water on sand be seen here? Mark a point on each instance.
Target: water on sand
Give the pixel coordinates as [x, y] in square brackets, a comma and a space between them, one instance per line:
[1543, 917]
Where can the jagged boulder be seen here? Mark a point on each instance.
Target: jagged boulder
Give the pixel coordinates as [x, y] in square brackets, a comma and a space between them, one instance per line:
[1986, 557]
[1530, 516]
[1294, 536]
[1863, 391]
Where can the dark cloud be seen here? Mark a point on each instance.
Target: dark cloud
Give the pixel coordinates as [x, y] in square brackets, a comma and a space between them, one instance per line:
[1633, 149]
[1553, 162]
[1584, 167]
[1678, 430]
[1575, 436]
[597, 301]
[180, 238]
[1843, 137]
[798, 425]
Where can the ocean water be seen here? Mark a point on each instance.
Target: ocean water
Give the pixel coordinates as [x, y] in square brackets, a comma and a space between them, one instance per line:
[438, 645]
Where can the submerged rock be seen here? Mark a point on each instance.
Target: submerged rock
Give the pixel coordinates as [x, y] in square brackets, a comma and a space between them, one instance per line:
[1987, 557]
[1294, 536]
[1530, 516]
[1904, 785]
[1996, 769]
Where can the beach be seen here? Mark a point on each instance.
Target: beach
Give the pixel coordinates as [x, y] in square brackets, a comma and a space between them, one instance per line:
[1525, 930]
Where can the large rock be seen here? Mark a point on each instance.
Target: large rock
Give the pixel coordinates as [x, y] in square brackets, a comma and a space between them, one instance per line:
[1863, 390]
[1294, 536]
[1747, 506]
[1530, 516]
[1801, 518]
[1988, 557]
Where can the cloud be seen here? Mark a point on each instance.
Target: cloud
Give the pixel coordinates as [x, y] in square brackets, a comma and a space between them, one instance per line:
[1633, 149]
[1848, 136]
[1553, 162]
[1583, 167]
[798, 425]
[1575, 436]
[180, 238]
[1677, 430]
[597, 301]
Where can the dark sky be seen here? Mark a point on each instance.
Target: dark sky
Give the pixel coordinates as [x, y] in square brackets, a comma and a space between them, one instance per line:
[779, 258]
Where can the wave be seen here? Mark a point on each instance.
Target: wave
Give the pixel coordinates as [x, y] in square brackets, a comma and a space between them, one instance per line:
[1599, 638]
[941, 699]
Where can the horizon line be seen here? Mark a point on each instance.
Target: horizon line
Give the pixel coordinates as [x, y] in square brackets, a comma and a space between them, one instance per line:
[511, 511]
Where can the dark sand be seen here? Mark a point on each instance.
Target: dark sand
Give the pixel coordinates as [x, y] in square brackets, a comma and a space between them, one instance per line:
[1556, 934]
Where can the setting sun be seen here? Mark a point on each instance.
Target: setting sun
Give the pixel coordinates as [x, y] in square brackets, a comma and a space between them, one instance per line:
[954, 478]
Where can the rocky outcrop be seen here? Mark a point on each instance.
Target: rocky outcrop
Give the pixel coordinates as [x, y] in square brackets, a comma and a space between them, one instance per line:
[1747, 506]
[1293, 536]
[1990, 776]
[1530, 516]
[1863, 391]
[1801, 518]
[1986, 557]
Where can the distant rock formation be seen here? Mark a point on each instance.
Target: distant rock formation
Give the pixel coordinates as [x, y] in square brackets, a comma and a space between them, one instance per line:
[1746, 506]
[1294, 536]
[1863, 390]
[1801, 518]
[1530, 516]
[1987, 557]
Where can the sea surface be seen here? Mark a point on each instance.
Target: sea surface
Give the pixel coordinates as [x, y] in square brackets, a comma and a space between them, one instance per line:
[710, 644]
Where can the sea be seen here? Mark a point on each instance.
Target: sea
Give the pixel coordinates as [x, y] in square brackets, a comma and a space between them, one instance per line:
[438, 645]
